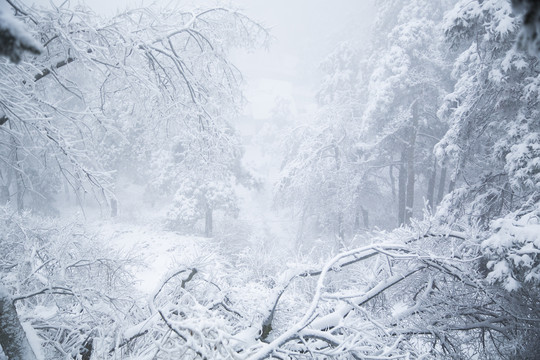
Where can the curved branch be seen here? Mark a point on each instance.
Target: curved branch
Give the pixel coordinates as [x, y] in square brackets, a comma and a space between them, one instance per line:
[56, 290]
[184, 282]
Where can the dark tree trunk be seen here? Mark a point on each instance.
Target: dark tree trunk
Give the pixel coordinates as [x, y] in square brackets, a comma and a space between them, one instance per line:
[452, 184]
[12, 336]
[208, 225]
[4, 194]
[442, 183]
[431, 186]
[410, 164]
[19, 183]
[402, 188]
[86, 348]
[365, 217]
[114, 207]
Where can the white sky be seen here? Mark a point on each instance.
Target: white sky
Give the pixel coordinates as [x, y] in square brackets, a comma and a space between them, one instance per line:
[304, 32]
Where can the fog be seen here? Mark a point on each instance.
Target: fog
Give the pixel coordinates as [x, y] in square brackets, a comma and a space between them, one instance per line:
[279, 179]
[303, 33]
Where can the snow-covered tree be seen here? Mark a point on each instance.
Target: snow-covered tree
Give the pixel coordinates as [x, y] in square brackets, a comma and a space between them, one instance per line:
[198, 197]
[491, 110]
[148, 70]
[82, 128]
[148, 97]
[378, 115]
[406, 82]
[322, 177]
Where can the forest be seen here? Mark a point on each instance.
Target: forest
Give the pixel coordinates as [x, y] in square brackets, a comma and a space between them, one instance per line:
[399, 219]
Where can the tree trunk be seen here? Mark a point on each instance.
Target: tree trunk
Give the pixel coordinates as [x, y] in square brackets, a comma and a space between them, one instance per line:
[66, 189]
[392, 181]
[365, 217]
[301, 226]
[208, 223]
[20, 192]
[12, 336]
[4, 194]
[114, 207]
[86, 348]
[442, 182]
[431, 186]
[402, 188]
[410, 164]
[19, 183]
[340, 230]
[452, 183]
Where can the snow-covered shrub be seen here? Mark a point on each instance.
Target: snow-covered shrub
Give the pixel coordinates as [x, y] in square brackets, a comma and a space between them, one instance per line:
[412, 292]
[409, 293]
[69, 289]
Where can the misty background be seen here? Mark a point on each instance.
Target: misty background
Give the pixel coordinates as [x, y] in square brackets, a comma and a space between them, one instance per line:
[269, 179]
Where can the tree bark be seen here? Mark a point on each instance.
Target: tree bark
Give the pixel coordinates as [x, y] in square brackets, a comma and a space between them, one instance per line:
[410, 164]
[114, 208]
[208, 225]
[86, 349]
[4, 194]
[18, 180]
[402, 188]
[431, 186]
[12, 336]
[365, 217]
[392, 181]
[462, 160]
[442, 182]
[301, 226]
[452, 184]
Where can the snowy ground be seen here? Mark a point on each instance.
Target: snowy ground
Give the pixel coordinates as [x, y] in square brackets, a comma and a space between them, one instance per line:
[258, 236]
[156, 250]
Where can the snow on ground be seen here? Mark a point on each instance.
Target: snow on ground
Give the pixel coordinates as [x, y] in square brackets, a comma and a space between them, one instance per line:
[255, 239]
[157, 250]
